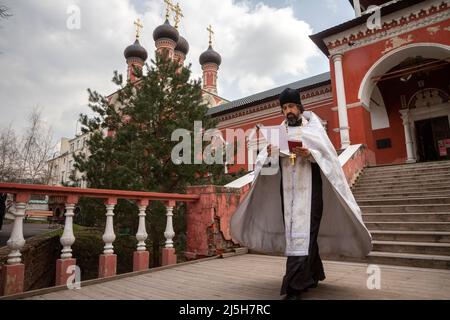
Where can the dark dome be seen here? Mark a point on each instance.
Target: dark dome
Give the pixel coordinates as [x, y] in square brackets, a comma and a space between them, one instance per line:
[136, 51]
[165, 31]
[210, 56]
[182, 45]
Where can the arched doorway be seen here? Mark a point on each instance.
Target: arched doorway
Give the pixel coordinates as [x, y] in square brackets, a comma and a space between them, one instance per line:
[407, 92]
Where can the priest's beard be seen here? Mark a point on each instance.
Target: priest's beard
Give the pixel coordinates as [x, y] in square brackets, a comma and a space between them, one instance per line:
[293, 120]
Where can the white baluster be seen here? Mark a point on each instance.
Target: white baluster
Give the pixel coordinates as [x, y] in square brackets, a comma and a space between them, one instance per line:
[109, 236]
[68, 238]
[169, 233]
[16, 240]
[141, 234]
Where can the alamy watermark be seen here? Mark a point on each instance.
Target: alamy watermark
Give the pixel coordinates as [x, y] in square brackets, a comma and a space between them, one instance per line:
[374, 278]
[374, 20]
[74, 280]
[210, 147]
[73, 21]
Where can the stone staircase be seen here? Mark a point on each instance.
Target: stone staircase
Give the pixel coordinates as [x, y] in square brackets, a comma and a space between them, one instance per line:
[407, 210]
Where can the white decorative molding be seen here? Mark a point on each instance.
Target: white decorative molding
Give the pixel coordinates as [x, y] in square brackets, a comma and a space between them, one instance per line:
[308, 97]
[242, 181]
[316, 95]
[408, 141]
[378, 113]
[427, 97]
[348, 153]
[410, 116]
[394, 24]
[351, 106]
[261, 116]
[341, 100]
[395, 57]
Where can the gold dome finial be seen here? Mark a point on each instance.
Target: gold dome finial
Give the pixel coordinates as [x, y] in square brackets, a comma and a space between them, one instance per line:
[211, 32]
[139, 26]
[169, 7]
[178, 14]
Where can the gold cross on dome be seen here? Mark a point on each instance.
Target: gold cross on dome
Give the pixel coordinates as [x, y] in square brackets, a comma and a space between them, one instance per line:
[139, 26]
[211, 32]
[178, 14]
[169, 7]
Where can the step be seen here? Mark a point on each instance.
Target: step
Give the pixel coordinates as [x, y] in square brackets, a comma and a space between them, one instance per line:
[392, 195]
[384, 179]
[408, 226]
[405, 168]
[401, 184]
[411, 236]
[429, 208]
[406, 173]
[442, 249]
[404, 259]
[407, 217]
[403, 201]
[375, 189]
[422, 182]
[412, 166]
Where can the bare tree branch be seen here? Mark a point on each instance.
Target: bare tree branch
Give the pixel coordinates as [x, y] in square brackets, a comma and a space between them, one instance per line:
[25, 159]
[9, 167]
[4, 12]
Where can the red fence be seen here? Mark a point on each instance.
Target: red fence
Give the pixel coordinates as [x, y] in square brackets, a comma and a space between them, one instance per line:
[12, 273]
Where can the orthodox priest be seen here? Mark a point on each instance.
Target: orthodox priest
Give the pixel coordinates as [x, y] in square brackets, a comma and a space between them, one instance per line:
[300, 202]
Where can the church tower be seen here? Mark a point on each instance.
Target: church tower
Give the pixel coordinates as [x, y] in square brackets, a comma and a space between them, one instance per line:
[210, 61]
[166, 36]
[181, 50]
[135, 55]
[182, 47]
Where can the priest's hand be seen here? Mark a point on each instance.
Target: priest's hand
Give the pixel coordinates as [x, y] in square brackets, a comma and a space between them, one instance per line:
[301, 152]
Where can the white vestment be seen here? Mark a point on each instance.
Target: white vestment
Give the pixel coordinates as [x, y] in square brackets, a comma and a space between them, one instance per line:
[258, 221]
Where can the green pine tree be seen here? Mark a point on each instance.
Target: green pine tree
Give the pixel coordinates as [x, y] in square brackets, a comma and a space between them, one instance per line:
[137, 155]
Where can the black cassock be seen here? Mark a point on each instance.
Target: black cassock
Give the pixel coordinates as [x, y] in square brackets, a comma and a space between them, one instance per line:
[303, 272]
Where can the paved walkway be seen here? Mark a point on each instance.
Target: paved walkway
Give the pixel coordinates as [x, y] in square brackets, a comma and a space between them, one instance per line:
[258, 277]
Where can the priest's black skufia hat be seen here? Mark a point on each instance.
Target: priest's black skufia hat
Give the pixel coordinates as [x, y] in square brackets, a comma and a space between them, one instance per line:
[291, 96]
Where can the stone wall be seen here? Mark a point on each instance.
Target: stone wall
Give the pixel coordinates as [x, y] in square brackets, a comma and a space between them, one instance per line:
[353, 167]
[39, 256]
[208, 220]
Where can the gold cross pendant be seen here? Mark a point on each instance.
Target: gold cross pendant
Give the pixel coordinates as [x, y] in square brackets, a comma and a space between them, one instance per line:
[293, 156]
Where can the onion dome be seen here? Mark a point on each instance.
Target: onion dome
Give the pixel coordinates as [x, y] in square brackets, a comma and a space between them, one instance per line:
[210, 56]
[182, 45]
[166, 31]
[136, 51]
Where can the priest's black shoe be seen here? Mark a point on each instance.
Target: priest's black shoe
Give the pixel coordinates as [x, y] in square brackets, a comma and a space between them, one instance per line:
[292, 296]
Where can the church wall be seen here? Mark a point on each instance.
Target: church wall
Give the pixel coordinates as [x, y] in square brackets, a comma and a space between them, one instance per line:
[357, 62]
[319, 103]
[392, 90]
[360, 127]
[426, 22]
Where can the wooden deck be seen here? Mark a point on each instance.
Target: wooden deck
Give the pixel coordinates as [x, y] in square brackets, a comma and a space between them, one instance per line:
[258, 277]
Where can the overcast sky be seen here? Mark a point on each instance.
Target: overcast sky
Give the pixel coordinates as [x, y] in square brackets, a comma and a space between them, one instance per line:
[44, 63]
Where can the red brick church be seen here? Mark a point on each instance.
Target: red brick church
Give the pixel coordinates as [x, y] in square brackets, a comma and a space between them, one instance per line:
[388, 86]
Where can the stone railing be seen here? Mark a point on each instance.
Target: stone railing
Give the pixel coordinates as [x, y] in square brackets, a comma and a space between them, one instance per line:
[12, 273]
[354, 159]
